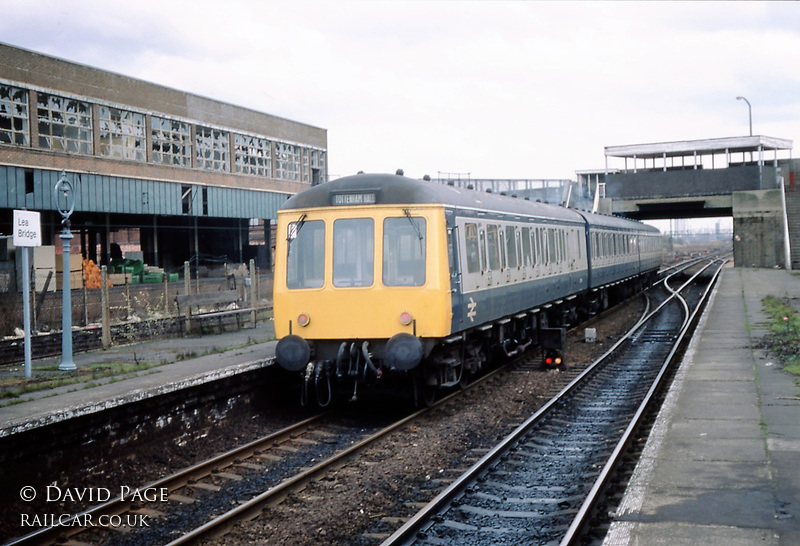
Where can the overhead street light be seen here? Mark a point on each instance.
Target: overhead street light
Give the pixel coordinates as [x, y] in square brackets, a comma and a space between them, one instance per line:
[749, 113]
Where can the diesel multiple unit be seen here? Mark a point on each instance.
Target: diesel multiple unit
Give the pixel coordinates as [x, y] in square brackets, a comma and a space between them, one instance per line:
[380, 276]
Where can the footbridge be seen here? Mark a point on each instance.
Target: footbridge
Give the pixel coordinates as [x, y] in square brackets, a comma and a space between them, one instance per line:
[750, 178]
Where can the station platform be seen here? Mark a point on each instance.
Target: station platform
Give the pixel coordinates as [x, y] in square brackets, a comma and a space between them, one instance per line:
[188, 361]
[722, 463]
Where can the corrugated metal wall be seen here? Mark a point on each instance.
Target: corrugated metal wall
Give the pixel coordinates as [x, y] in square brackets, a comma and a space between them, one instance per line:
[99, 193]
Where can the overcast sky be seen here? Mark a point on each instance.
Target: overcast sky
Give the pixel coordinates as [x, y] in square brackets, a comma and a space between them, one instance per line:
[494, 89]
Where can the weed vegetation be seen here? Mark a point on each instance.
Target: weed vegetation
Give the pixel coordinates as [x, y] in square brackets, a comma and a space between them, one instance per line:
[784, 337]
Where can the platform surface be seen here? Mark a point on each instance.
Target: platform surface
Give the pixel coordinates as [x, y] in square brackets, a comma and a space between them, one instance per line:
[722, 464]
[188, 361]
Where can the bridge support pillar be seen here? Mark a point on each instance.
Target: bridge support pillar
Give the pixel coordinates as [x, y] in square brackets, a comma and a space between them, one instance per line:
[759, 229]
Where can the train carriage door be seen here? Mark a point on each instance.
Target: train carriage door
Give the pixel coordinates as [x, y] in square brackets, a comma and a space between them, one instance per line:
[454, 261]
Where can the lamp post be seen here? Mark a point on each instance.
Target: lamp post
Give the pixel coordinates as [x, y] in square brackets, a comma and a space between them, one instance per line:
[65, 202]
[749, 113]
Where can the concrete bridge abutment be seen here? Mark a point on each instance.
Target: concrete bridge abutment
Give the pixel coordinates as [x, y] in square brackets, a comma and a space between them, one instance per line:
[760, 233]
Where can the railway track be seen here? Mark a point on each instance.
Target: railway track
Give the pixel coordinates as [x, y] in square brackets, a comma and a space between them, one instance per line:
[194, 504]
[184, 507]
[544, 481]
[230, 485]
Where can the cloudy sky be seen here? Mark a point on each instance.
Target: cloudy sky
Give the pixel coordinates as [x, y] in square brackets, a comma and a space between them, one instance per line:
[494, 89]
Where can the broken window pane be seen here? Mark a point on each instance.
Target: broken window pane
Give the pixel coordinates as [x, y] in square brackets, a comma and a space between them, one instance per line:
[212, 149]
[287, 161]
[252, 155]
[171, 142]
[122, 134]
[55, 114]
[14, 116]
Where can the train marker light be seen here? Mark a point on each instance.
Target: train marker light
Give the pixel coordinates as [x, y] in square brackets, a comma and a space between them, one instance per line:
[303, 319]
[405, 318]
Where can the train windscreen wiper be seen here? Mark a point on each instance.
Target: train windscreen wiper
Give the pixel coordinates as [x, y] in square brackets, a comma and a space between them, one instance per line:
[416, 229]
[292, 234]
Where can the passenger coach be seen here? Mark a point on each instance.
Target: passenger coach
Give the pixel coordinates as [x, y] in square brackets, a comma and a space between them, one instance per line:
[382, 275]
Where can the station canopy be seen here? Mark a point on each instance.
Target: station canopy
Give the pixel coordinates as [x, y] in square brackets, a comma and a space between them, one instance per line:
[708, 146]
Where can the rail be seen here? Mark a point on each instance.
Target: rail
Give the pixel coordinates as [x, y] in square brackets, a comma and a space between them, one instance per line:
[421, 524]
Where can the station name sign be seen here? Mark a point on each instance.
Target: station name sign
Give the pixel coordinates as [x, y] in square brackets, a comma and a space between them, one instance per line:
[27, 228]
[362, 198]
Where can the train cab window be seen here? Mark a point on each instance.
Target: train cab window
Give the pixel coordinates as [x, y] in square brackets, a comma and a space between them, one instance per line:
[472, 244]
[404, 251]
[305, 261]
[353, 252]
[493, 247]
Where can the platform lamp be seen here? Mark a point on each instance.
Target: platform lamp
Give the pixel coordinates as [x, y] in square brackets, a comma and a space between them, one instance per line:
[749, 113]
[65, 202]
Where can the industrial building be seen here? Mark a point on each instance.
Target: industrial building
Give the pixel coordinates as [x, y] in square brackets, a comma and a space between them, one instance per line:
[161, 175]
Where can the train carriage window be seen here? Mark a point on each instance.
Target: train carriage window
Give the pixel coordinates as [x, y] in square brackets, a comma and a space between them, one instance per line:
[518, 246]
[556, 242]
[493, 247]
[541, 251]
[404, 251]
[551, 245]
[305, 254]
[353, 252]
[501, 246]
[482, 250]
[511, 247]
[472, 242]
[526, 247]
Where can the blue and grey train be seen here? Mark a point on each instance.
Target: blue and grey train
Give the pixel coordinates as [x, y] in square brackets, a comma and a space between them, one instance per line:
[380, 275]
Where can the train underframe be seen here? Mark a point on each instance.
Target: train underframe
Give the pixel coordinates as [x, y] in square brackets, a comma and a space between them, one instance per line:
[344, 367]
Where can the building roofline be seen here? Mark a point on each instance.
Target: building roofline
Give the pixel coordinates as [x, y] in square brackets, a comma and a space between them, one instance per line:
[99, 95]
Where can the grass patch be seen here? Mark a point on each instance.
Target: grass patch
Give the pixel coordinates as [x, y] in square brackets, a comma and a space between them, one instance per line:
[49, 377]
[13, 386]
[784, 337]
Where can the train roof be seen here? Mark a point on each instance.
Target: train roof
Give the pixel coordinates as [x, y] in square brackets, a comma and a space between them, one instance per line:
[393, 189]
